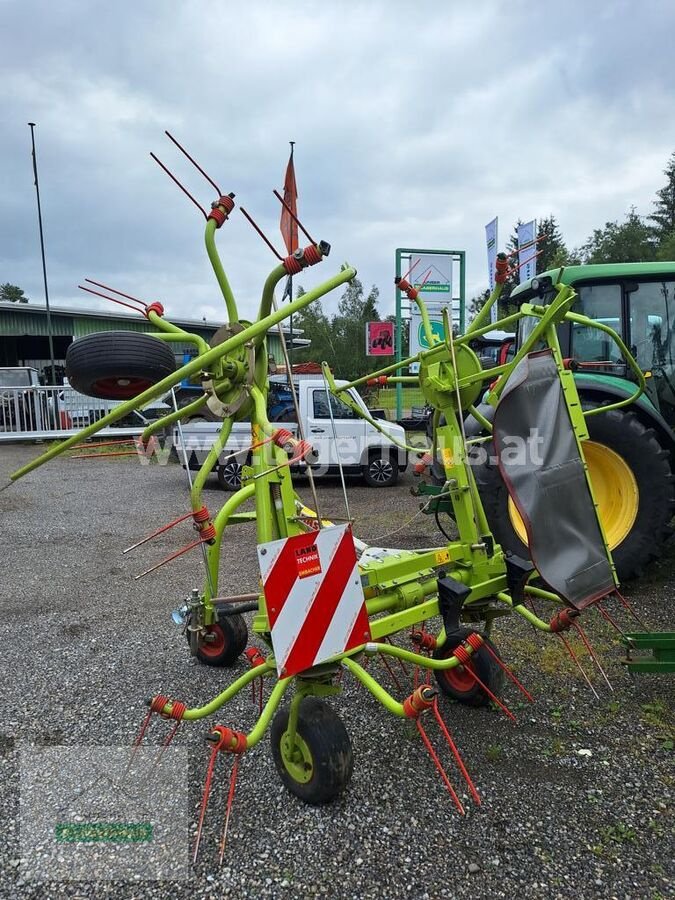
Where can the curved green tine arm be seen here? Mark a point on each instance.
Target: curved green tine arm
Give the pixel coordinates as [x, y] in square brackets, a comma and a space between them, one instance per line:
[376, 689]
[484, 312]
[219, 271]
[260, 405]
[479, 332]
[208, 464]
[625, 352]
[169, 328]
[200, 712]
[267, 298]
[258, 731]
[183, 337]
[195, 365]
[432, 339]
[524, 612]
[426, 662]
[220, 523]
[170, 418]
[349, 401]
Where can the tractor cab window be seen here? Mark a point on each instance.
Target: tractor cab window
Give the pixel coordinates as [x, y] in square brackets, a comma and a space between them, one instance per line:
[651, 305]
[601, 302]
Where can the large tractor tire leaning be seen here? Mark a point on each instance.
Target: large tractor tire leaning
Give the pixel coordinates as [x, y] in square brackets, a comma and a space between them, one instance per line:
[117, 365]
[633, 485]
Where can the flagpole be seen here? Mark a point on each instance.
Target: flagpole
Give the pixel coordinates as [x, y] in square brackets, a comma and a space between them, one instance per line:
[290, 324]
[42, 248]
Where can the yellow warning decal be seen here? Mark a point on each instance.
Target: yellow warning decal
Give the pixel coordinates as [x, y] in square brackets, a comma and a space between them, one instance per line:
[442, 556]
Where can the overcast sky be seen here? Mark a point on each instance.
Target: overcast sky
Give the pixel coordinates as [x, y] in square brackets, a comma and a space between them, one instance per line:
[415, 123]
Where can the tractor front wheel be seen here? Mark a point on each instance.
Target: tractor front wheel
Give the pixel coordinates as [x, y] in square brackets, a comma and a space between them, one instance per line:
[459, 682]
[316, 763]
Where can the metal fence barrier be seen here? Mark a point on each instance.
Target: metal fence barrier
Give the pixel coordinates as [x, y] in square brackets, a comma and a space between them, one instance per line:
[47, 412]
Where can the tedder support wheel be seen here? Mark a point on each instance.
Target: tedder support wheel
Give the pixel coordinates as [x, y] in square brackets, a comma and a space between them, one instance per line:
[317, 765]
[632, 481]
[381, 470]
[458, 683]
[118, 365]
[227, 641]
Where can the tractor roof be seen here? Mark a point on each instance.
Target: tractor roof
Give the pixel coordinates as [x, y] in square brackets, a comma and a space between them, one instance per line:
[574, 274]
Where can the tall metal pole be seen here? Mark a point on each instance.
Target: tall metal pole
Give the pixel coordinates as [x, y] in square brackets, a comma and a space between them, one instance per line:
[290, 297]
[42, 249]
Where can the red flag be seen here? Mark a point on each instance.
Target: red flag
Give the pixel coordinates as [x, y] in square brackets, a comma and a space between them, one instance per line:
[289, 229]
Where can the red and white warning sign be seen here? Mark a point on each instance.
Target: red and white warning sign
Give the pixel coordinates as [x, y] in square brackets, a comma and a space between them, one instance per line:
[314, 598]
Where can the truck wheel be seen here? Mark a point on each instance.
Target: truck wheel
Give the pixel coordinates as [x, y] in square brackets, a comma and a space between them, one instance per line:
[229, 474]
[381, 470]
[318, 764]
[632, 482]
[458, 683]
[117, 365]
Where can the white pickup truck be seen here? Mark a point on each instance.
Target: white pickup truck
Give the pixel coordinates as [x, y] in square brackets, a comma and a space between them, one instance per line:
[357, 444]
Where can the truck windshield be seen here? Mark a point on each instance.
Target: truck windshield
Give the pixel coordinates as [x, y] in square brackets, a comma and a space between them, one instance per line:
[14, 378]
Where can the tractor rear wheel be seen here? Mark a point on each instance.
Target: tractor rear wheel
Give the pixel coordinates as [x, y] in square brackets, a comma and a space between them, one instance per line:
[117, 365]
[633, 485]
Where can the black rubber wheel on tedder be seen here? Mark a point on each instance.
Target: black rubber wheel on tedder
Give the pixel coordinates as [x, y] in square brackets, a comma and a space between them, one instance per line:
[318, 766]
[458, 683]
[117, 365]
[229, 636]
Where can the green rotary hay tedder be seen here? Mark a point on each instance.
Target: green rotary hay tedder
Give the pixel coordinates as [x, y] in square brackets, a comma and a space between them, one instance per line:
[328, 602]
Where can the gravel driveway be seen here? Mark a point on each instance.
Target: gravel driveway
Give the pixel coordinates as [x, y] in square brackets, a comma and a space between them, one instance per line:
[577, 798]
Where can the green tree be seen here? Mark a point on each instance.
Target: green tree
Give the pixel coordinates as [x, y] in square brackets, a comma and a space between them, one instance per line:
[663, 216]
[12, 293]
[628, 241]
[554, 252]
[354, 310]
[316, 327]
[666, 249]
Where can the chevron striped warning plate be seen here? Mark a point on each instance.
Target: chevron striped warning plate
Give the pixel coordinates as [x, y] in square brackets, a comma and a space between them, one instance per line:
[314, 597]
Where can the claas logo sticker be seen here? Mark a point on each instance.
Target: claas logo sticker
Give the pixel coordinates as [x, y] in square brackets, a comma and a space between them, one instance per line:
[307, 561]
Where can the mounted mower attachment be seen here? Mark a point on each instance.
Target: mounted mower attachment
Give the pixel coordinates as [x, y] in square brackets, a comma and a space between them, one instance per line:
[329, 603]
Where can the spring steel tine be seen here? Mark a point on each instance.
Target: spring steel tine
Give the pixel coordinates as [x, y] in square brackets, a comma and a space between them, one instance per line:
[575, 659]
[158, 532]
[504, 708]
[170, 736]
[590, 649]
[411, 268]
[261, 233]
[630, 609]
[389, 669]
[120, 293]
[455, 752]
[436, 761]
[194, 163]
[540, 238]
[294, 217]
[183, 189]
[508, 672]
[230, 799]
[169, 558]
[111, 299]
[606, 616]
[205, 800]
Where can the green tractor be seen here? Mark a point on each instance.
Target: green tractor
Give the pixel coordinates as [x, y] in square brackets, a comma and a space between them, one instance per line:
[631, 451]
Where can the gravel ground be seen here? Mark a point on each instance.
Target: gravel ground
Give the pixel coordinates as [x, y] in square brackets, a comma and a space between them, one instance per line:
[577, 799]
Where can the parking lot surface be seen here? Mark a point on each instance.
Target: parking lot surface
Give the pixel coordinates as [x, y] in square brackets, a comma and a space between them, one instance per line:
[577, 798]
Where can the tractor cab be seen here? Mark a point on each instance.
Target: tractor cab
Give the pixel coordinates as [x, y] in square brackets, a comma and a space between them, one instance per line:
[637, 300]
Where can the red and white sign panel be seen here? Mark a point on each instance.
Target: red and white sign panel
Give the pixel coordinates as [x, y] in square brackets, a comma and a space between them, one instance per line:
[380, 338]
[314, 598]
